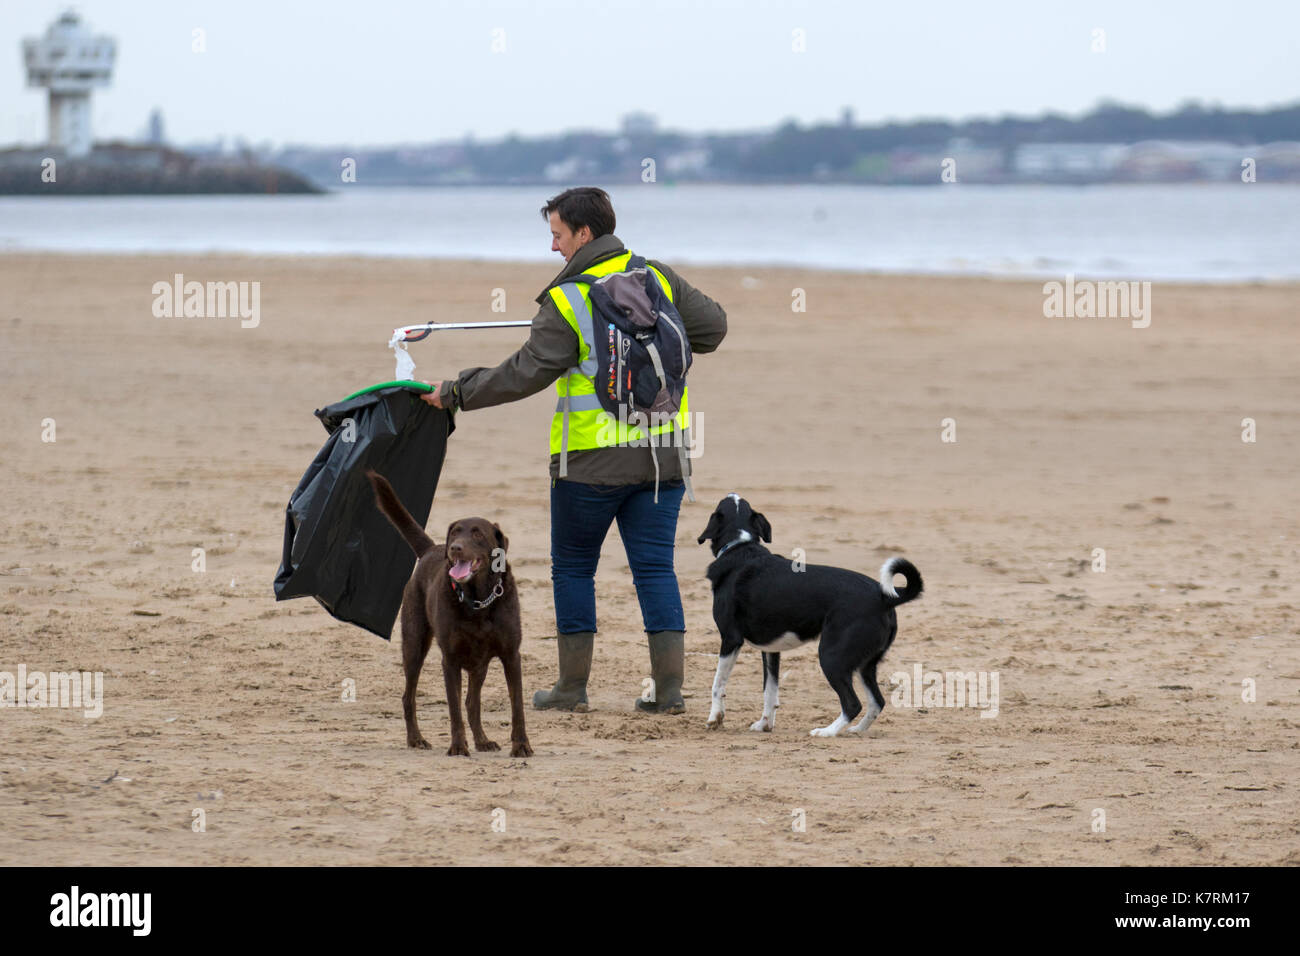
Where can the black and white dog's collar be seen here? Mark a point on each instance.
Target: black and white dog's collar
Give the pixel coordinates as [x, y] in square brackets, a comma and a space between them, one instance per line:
[745, 538]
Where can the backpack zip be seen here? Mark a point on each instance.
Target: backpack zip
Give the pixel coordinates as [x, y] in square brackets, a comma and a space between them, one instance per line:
[620, 350]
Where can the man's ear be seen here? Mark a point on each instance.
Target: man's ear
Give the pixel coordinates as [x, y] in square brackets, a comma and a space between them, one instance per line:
[502, 541]
[762, 527]
[711, 530]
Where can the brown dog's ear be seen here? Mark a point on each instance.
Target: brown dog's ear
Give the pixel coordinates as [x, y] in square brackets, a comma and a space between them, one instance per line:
[711, 531]
[762, 527]
[502, 541]
[446, 543]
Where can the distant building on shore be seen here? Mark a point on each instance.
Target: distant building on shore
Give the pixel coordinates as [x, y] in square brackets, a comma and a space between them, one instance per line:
[70, 62]
[639, 123]
[1066, 161]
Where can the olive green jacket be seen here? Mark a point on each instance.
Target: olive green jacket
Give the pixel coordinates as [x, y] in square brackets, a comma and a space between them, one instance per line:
[552, 349]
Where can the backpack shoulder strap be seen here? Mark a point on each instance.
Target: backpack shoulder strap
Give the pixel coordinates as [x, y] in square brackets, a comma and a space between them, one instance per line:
[633, 263]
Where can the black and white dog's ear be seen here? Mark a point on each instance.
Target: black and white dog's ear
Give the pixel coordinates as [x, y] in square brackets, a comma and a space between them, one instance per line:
[762, 527]
[711, 531]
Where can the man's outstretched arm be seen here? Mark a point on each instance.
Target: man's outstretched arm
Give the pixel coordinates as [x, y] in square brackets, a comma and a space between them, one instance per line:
[551, 349]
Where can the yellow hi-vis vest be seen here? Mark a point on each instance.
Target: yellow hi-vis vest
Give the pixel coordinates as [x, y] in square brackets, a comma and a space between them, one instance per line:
[579, 422]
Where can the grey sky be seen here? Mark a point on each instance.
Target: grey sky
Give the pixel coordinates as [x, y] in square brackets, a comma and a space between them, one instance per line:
[384, 71]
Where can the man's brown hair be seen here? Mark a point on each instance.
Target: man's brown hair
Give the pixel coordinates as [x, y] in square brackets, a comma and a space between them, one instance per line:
[583, 206]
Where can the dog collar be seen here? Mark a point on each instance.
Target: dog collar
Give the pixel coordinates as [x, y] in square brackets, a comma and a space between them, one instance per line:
[745, 538]
[479, 605]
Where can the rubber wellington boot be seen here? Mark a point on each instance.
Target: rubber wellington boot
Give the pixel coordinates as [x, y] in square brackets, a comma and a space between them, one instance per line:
[570, 691]
[667, 662]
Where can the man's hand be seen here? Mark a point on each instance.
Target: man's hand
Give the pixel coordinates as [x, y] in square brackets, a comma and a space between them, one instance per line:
[432, 397]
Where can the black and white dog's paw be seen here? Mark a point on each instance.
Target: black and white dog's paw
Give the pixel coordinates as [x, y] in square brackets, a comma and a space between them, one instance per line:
[763, 724]
[833, 730]
[868, 718]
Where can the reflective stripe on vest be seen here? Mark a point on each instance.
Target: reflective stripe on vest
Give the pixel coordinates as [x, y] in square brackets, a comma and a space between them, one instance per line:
[584, 325]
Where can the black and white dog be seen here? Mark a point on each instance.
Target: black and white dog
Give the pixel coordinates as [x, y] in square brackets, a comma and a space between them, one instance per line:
[775, 604]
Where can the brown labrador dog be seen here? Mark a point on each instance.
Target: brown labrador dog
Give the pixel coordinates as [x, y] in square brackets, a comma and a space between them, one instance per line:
[463, 594]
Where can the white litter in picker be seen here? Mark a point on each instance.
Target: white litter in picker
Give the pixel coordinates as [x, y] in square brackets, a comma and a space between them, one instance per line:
[405, 364]
[418, 333]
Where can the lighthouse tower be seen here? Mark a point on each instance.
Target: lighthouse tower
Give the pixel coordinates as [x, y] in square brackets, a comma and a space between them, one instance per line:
[69, 61]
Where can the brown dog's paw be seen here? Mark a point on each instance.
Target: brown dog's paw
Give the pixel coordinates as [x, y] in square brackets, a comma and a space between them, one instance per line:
[486, 745]
[521, 748]
[419, 743]
[458, 748]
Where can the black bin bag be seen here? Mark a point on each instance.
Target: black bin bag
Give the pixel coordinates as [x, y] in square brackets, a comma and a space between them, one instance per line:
[338, 547]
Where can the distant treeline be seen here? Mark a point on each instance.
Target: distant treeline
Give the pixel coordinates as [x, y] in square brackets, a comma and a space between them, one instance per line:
[840, 151]
[796, 151]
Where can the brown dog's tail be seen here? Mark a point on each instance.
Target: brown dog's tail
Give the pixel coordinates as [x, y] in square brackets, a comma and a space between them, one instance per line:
[388, 502]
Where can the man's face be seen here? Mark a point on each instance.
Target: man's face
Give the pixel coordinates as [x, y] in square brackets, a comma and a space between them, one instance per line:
[564, 240]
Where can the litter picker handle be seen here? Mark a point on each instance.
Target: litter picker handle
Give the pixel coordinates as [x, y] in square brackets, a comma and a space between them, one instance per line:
[417, 333]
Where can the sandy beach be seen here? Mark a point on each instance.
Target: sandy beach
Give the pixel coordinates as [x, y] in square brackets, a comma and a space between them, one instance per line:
[1121, 690]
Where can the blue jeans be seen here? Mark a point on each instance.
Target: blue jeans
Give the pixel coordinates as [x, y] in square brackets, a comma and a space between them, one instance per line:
[580, 518]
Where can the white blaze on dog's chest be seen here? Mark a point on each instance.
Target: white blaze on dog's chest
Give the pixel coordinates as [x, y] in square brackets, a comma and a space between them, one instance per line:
[786, 642]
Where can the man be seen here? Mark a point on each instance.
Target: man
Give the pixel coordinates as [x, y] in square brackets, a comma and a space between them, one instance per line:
[594, 481]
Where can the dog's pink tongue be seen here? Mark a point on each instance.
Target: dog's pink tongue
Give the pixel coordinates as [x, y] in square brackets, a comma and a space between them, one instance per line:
[461, 570]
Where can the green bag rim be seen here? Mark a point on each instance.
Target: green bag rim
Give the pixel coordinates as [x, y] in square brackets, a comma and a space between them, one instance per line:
[407, 383]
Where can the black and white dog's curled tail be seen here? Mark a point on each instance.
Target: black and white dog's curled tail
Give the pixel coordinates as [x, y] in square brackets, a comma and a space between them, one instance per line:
[911, 590]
